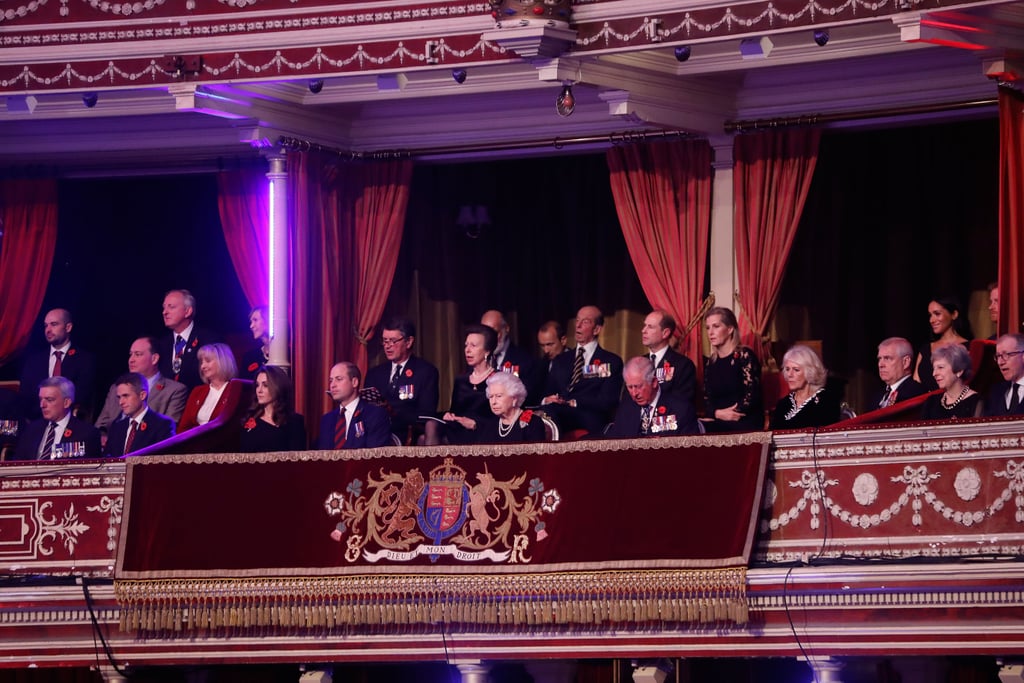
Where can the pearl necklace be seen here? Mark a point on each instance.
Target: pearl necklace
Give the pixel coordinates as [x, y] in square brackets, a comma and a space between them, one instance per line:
[504, 431]
[954, 404]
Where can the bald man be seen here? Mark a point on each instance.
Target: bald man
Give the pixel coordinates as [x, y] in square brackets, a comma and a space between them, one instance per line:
[513, 359]
[62, 358]
[583, 387]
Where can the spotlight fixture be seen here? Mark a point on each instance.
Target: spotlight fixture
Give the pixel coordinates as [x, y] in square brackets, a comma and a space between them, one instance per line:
[565, 103]
[821, 37]
[682, 53]
[316, 85]
[459, 75]
[90, 99]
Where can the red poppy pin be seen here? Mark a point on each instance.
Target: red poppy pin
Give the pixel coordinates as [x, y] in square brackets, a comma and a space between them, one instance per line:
[67, 433]
[408, 372]
[160, 386]
[526, 416]
[507, 365]
[661, 410]
[72, 352]
[736, 354]
[253, 366]
[666, 365]
[250, 424]
[143, 426]
[597, 361]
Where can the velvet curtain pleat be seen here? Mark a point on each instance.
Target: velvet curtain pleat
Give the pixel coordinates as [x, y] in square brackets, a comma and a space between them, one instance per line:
[771, 177]
[347, 222]
[1011, 210]
[243, 202]
[28, 220]
[662, 195]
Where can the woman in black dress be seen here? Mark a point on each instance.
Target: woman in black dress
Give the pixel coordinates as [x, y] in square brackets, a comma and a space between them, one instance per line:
[271, 425]
[469, 391]
[949, 326]
[509, 423]
[732, 378]
[951, 370]
[810, 403]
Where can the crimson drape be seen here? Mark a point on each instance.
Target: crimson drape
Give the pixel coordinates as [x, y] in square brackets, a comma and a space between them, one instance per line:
[244, 205]
[772, 175]
[662, 194]
[1011, 210]
[28, 209]
[347, 222]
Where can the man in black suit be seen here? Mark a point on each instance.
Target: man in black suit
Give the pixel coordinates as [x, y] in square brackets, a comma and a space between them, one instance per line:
[178, 359]
[676, 373]
[1007, 397]
[58, 434]
[62, 358]
[895, 367]
[143, 427]
[408, 383]
[508, 357]
[649, 410]
[356, 423]
[583, 387]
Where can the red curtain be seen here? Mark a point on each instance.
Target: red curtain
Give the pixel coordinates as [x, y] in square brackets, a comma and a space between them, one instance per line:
[244, 204]
[662, 195]
[28, 211]
[1011, 210]
[347, 229]
[772, 174]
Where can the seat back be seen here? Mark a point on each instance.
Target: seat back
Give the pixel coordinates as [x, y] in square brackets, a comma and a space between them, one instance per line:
[983, 363]
[550, 428]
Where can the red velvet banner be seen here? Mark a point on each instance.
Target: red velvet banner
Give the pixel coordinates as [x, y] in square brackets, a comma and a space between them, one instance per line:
[641, 510]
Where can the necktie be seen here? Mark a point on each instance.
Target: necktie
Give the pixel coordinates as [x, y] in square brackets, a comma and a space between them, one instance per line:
[645, 419]
[1014, 399]
[51, 435]
[340, 430]
[654, 358]
[179, 351]
[395, 377]
[886, 398]
[577, 369]
[131, 437]
[57, 364]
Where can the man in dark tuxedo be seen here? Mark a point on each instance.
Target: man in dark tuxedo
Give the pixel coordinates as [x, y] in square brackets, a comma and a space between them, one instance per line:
[58, 434]
[583, 387]
[164, 395]
[649, 410]
[895, 367]
[406, 382]
[142, 427]
[676, 373]
[62, 358]
[508, 357]
[356, 423]
[178, 359]
[1007, 397]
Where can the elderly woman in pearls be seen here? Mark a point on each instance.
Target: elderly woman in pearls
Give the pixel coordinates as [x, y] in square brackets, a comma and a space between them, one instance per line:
[510, 424]
[951, 368]
[810, 403]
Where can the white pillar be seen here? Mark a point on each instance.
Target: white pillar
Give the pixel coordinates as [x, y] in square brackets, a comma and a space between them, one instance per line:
[826, 669]
[279, 263]
[110, 675]
[474, 672]
[723, 251]
[551, 670]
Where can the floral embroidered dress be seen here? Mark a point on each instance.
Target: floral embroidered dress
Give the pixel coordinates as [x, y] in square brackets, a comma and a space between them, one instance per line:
[734, 380]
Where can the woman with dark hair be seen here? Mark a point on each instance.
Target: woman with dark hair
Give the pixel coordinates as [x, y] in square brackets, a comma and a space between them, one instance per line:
[469, 395]
[949, 326]
[271, 425]
[732, 378]
[509, 422]
[809, 403]
[255, 358]
[951, 370]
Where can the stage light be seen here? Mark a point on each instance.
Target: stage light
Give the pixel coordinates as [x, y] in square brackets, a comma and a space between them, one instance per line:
[821, 37]
[459, 75]
[565, 103]
[682, 53]
[316, 85]
[90, 99]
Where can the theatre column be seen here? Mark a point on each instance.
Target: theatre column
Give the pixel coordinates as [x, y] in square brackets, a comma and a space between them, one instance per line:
[278, 260]
[474, 671]
[722, 264]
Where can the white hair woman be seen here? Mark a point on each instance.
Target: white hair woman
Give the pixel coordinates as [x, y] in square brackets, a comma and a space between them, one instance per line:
[511, 424]
[810, 403]
[217, 368]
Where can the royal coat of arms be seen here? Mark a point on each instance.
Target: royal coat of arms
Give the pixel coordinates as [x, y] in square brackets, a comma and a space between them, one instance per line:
[449, 513]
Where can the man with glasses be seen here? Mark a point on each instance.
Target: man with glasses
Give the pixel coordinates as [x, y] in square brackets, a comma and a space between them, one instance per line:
[1007, 397]
[407, 383]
